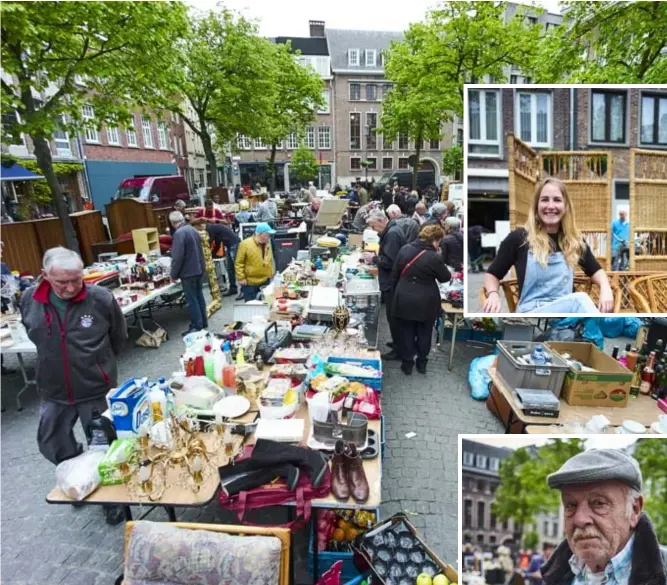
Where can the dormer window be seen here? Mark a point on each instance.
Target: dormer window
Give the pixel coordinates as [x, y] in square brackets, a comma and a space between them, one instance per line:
[371, 55]
[353, 57]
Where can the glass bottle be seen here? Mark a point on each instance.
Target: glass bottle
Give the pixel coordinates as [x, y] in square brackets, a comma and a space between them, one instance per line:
[648, 376]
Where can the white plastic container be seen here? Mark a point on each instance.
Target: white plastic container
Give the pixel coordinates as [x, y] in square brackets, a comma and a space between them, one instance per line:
[158, 402]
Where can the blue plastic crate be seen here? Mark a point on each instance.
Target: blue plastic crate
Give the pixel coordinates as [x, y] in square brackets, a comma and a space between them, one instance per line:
[376, 363]
[357, 580]
[461, 334]
[486, 336]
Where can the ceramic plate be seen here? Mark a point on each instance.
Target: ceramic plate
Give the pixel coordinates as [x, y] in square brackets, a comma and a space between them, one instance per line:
[232, 406]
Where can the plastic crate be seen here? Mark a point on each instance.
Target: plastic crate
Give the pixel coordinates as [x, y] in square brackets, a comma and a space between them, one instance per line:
[516, 375]
[383, 436]
[486, 336]
[461, 334]
[357, 580]
[376, 363]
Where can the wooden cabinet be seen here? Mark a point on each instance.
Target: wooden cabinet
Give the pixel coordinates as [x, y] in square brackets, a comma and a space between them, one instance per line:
[146, 241]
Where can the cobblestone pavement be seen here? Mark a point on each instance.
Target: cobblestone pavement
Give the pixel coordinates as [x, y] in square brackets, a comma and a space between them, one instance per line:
[46, 544]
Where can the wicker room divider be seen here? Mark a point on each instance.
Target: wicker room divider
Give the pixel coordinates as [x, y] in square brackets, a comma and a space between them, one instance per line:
[523, 176]
[648, 209]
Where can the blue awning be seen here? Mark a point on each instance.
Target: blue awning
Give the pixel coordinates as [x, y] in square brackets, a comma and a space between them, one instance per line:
[17, 173]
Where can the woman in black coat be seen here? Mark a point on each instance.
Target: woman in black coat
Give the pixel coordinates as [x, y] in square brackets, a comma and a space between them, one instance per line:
[416, 302]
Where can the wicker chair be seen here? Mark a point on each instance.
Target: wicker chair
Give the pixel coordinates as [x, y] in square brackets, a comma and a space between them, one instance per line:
[649, 293]
[581, 284]
[282, 534]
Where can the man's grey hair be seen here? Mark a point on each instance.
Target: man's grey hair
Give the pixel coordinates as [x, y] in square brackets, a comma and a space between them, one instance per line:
[454, 223]
[376, 215]
[631, 496]
[176, 217]
[179, 203]
[62, 258]
[394, 211]
[438, 210]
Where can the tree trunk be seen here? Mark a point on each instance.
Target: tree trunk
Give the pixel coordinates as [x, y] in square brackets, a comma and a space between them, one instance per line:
[272, 167]
[43, 156]
[207, 143]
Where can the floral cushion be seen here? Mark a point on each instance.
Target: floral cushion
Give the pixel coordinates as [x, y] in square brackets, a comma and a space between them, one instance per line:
[160, 554]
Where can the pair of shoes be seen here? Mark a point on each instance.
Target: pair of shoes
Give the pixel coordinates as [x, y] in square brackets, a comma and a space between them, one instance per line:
[390, 356]
[421, 366]
[406, 368]
[113, 514]
[347, 473]
[230, 292]
[239, 297]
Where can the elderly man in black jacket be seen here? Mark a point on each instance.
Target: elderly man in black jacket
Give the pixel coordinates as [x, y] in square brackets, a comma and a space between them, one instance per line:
[609, 539]
[452, 244]
[392, 239]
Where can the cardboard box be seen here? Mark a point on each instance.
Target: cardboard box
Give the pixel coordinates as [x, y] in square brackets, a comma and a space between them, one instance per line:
[130, 407]
[609, 385]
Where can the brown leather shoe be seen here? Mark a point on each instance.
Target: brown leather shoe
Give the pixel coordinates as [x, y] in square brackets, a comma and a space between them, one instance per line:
[339, 485]
[356, 476]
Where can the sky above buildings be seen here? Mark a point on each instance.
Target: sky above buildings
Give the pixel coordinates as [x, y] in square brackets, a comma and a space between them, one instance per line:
[290, 17]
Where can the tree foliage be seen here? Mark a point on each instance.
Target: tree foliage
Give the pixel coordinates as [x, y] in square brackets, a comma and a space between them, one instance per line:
[530, 540]
[304, 164]
[523, 492]
[452, 160]
[652, 457]
[120, 50]
[604, 42]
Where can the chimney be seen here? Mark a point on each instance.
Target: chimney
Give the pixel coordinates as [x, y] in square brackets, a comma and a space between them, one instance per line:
[316, 28]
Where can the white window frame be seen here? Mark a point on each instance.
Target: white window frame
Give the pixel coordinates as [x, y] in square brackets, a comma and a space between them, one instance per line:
[258, 144]
[533, 116]
[310, 137]
[292, 141]
[91, 134]
[468, 459]
[147, 133]
[389, 158]
[482, 115]
[370, 62]
[244, 143]
[353, 158]
[370, 158]
[324, 132]
[113, 136]
[361, 130]
[327, 108]
[494, 464]
[626, 117]
[480, 461]
[63, 151]
[162, 136]
[368, 135]
[131, 134]
[407, 164]
[366, 98]
[655, 96]
[349, 92]
[353, 62]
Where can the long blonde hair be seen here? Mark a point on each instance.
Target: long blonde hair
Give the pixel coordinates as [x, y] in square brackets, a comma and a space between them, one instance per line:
[570, 239]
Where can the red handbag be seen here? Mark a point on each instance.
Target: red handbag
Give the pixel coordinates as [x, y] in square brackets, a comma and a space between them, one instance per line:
[276, 494]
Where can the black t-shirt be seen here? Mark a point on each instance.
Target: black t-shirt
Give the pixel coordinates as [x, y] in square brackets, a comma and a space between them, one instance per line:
[514, 249]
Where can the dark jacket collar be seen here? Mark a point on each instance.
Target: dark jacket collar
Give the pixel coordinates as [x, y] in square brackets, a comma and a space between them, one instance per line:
[647, 564]
[41, 294]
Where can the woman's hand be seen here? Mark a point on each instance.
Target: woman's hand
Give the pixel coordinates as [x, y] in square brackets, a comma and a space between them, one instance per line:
[492, 304]
[606, 304]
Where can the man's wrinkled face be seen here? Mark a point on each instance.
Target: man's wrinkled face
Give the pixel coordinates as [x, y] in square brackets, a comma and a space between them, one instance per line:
[623, 215]
[598, 520]
[66, 284]
[263, 238]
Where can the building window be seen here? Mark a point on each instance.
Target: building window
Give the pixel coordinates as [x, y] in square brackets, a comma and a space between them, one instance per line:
[131, 134]
[492, 539]
[355, 131]
[533, 118]
[481, 485]
[545, 528]
[147, 131]
[9, 119]
[372, 163]
[608, 116]
[355, 163]
[480, 461]
[353, 57]
[468, 458]
[325, 108]
[355, 92]
[480, 539]
[113, 135]
[292, 142]
[494, 463]
[532, 20]
[484, 122]
[505, 526]
[244, 143]
[403, 164]
[481, 509]
[459, 137]
[371, 56]
[310, 137]
[91, 134]
[324, 137]
[492, 521]
[387, 163]
[554, 529]
[162, 141]
[514, 79]
[386, 88]
[467, 513]
[434, 144]
[403, 142]
[371, 126]
[371, 92]
[61, 138]
[654, 120]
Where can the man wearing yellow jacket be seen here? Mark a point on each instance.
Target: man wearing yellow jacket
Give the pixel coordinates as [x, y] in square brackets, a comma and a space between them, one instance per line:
[254, 264]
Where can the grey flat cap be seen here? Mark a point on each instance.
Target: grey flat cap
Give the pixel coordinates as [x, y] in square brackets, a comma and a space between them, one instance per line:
[598, 465]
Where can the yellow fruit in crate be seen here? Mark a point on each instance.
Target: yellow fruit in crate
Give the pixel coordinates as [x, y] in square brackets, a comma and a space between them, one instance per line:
[343, 525]
[352, 533]
[338, 535]
[290, 397]
[440, 580]
[424, 579]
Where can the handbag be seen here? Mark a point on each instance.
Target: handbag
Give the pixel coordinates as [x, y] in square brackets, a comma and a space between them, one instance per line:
[272, 341]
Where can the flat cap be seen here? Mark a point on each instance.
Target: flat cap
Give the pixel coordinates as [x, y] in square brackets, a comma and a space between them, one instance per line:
[598, 465]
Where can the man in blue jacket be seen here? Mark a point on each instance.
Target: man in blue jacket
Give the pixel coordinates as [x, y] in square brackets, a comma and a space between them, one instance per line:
[620, 236]
[187, 263]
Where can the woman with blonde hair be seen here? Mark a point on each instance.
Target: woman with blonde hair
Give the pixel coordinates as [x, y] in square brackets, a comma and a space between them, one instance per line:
[416, 301]
[545, 254]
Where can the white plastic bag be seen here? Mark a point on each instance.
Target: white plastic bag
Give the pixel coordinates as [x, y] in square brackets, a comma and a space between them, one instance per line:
[198, 392]
[78, 477]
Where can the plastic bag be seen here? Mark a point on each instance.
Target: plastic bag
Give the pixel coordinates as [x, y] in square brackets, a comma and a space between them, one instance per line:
[368, 404]
[611, 326]
[198, 392]
[333, 575]
[78, 477]
[478, 376]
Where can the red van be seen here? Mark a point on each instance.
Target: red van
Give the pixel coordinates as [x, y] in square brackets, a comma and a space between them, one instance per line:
[165, 190]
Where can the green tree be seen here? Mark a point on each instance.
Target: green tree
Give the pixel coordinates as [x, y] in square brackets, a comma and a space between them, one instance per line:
[295, 97]
[530, 540]
[221, 73]
[604, 42]
[304, 164]
[121, 49]
[523, 490]
[652, 455]
[452, 160]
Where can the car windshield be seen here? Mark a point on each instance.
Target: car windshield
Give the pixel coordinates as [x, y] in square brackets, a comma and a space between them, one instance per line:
[128, 192]
[385, 178]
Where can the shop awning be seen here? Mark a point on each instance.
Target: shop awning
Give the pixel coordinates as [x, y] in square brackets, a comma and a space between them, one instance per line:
[17, 173]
